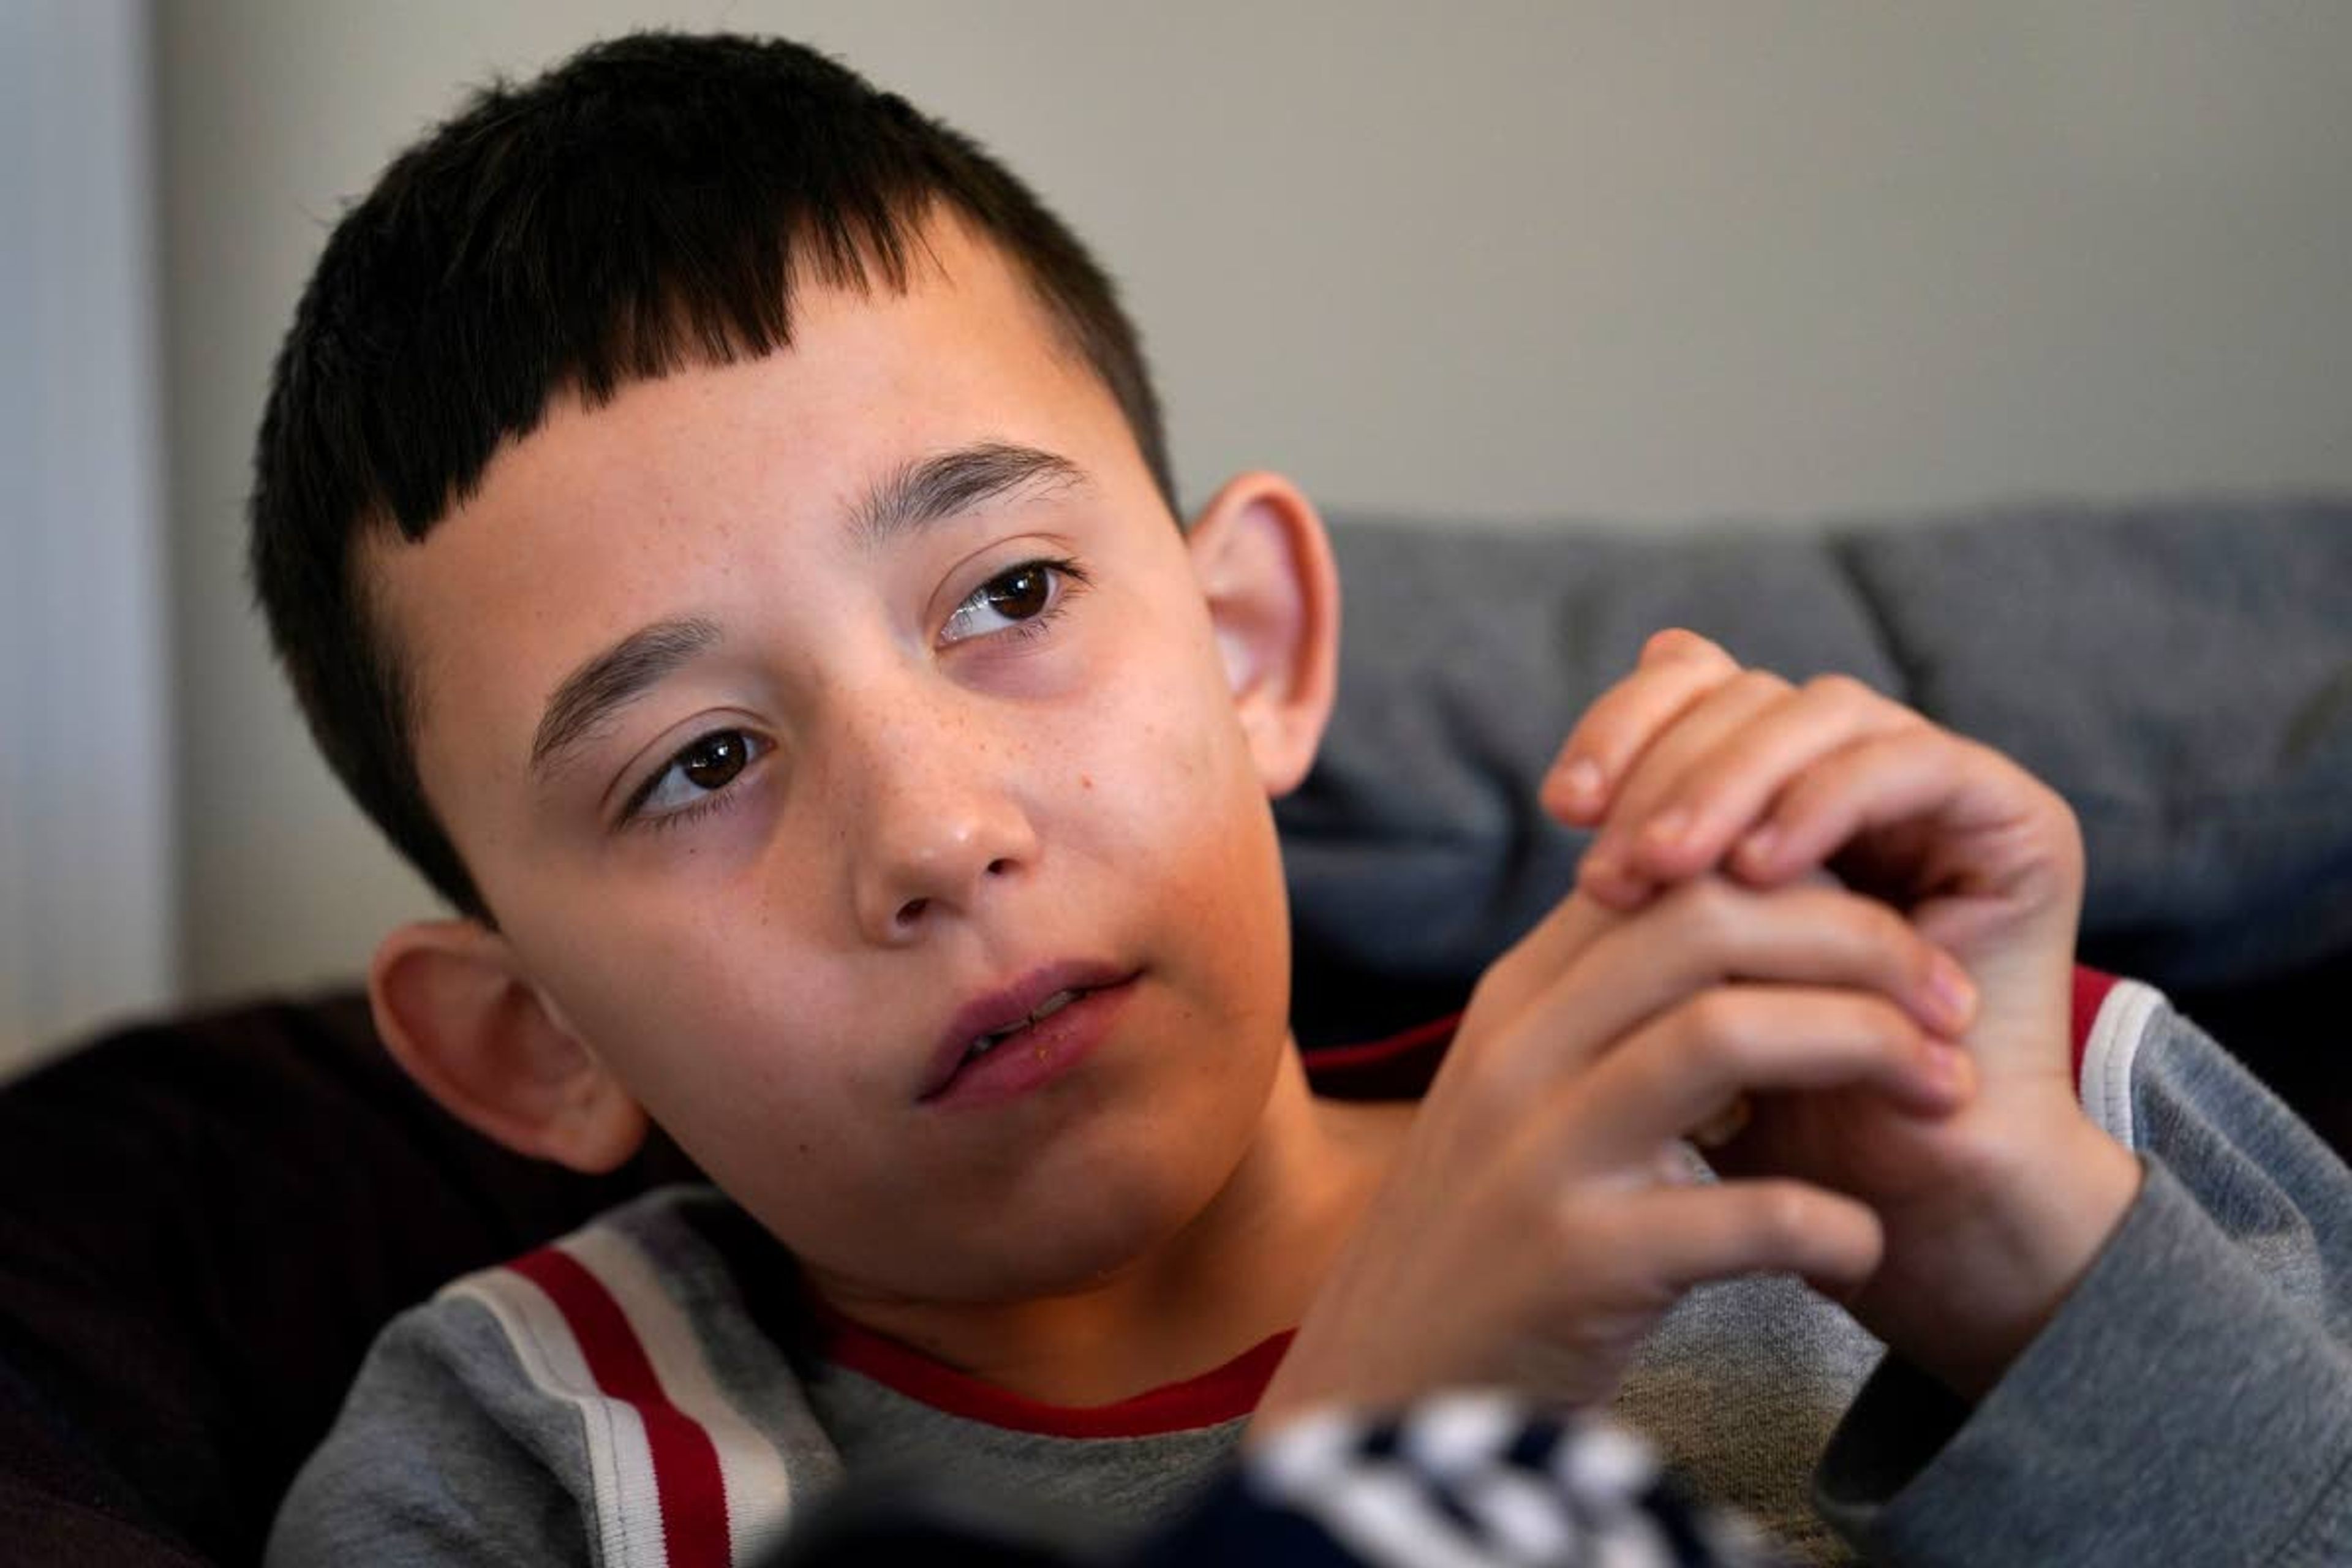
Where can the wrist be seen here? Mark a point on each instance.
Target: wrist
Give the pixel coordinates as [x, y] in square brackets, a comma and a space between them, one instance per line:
[1968, 1288]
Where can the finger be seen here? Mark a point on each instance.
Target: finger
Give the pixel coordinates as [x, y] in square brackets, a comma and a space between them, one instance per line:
[1723, 793]
[1676, 668]
[1608, 871]
[1720, 1230]
[1511, 984]
[1680, 1070]
[1705, 933]
[1995, 824]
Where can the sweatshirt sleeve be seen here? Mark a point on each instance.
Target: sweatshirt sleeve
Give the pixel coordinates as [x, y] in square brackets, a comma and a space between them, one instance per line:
[440, 1457]
[2192, 1400]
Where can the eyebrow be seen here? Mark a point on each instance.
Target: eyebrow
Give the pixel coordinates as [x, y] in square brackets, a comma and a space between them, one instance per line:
[610, 681]
[932, 490]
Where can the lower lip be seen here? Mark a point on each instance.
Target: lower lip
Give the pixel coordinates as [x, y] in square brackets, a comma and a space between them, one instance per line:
[1046, 1050]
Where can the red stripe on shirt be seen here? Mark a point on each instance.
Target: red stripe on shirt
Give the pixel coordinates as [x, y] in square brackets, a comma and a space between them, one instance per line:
[1224, 1393]
[1424, 1044]
[2091, 988]
[686, 1462]
[1382, 1051]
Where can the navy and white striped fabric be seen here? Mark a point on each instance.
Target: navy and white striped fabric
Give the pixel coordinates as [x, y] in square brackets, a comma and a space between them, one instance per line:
[1465, 1480]
[1478, 1480]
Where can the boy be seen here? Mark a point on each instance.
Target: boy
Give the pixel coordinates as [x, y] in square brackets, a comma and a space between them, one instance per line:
[716, 524]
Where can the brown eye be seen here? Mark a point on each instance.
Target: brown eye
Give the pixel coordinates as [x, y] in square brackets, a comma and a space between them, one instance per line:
[1020, 594]
[1023, 600]
[699, 775]
[712, 761]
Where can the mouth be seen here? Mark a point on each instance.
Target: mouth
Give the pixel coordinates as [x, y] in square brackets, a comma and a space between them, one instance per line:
[1021, 1013]
[1046, 1009]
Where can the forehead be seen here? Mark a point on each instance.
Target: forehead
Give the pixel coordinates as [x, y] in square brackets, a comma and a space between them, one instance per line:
[680, 491]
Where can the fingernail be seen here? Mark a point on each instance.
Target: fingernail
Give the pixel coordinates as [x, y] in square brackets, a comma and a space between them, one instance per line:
[1756, 849]
[1950, 992]
[1724, 1125]
[1581, 781]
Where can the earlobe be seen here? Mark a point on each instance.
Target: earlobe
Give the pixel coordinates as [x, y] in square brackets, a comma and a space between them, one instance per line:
[1265, 567]
[455, 1010]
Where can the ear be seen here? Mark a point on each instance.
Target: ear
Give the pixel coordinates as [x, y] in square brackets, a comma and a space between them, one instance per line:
[1265, 565]
[455, 1009]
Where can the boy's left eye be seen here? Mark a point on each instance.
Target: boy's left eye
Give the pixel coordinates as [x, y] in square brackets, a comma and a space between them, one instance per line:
[695, 777]
[1024, 597]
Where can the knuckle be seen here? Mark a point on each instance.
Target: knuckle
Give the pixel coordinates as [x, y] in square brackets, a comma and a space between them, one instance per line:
[1708, 913]
[1871, 925]
[1565, 1224]
[1883, 927]
[1718, 1029]
[1567, 1228]
[1881, 1023]
[1838, 690]
[1783, 1214]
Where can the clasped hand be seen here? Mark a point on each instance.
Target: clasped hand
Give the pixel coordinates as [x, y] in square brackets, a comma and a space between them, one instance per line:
[1814, 922]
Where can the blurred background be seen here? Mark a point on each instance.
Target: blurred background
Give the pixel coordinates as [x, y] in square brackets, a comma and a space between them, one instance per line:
[1746, 261]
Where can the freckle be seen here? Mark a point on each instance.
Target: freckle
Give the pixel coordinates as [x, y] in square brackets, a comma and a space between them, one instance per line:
[1085, 781]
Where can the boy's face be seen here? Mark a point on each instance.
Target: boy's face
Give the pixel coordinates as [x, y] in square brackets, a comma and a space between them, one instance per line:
[918, 716]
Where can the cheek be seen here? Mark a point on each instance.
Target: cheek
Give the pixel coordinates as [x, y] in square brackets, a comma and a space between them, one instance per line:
[767, 1092]
[683, 1010]
[1176, 792]
[762, 1069]
[1184, 757]
[1159, 722]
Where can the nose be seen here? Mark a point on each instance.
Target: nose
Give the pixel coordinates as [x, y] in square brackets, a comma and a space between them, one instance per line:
[934, 817]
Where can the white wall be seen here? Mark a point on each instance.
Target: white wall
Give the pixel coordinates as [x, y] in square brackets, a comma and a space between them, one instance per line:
[1637, 259]
[86, 863]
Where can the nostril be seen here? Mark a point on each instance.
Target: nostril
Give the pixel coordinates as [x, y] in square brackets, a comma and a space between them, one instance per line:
[912, 911]
[999, 867]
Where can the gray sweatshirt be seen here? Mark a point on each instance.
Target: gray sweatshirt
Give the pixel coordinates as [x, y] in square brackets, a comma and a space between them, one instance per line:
[620, 1397]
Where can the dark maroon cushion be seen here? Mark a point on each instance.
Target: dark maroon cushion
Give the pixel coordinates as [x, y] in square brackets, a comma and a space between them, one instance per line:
[203, 1223]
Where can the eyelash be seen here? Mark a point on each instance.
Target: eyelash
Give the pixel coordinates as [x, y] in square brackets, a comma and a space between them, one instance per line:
[716, 801]
[1070, 578]
[633, 814]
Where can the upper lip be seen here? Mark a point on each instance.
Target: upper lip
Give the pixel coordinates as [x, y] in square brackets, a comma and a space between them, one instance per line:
[1009, 1007]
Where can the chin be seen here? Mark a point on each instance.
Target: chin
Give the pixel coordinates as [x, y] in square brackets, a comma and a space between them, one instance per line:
[1091, 1229]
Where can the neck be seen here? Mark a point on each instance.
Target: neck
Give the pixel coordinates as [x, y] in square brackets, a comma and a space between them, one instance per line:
[1243, 1269]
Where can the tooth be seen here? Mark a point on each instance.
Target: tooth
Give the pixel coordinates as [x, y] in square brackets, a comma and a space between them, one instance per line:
[1046, 1009]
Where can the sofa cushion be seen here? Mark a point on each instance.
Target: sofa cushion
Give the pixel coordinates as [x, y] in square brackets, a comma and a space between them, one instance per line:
[206, 1221]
